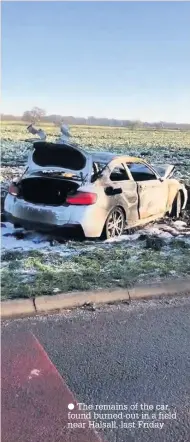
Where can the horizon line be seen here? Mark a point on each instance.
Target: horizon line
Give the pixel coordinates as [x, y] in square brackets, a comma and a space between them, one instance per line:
[100, 118]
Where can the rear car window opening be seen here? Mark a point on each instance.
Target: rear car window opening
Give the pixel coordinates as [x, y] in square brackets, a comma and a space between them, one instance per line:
[58, 155]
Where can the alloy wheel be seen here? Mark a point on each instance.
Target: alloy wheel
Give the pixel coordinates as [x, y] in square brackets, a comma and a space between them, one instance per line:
[115, 223]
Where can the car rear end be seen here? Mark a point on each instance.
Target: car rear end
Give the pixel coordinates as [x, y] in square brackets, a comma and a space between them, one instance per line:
[56, 192]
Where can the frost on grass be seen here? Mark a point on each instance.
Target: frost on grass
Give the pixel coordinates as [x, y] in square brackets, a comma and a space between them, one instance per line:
[22, 240]
[80, 266]
[155, 146]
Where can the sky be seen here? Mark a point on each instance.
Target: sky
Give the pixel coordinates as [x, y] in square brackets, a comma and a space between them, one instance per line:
[128, 60]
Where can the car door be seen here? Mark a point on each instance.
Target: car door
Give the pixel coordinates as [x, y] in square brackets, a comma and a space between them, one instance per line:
[152, 191]
[128, 199]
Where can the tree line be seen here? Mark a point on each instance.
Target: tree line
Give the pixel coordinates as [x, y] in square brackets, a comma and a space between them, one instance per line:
[37, 114]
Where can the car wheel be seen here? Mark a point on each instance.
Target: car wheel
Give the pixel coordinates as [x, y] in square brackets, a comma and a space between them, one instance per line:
[177, 205]
[115, 224]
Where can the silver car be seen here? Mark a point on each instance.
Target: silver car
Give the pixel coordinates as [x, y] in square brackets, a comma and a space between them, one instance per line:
[100, 193]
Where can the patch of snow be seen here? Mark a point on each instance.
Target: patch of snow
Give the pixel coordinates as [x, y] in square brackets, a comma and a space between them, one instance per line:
[148, 231]
[37, 241]
[56, 290]
[180, 224]
[18, 239]
[33, 373]
[126, 237]
[8, 228]
[28, 271]
[29, 241]
[12, 243]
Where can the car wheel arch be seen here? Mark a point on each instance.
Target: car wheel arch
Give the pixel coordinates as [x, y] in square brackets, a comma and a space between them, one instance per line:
[177, 201]
[116, 206]
[182, 194]
[183, 197]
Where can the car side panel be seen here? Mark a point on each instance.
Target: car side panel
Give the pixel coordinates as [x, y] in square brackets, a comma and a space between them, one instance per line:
[153, 197]
[92, 218]
[173, 187]
[128, 199]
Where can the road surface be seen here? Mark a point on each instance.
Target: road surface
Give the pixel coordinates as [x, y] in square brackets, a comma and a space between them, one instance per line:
[135, 355]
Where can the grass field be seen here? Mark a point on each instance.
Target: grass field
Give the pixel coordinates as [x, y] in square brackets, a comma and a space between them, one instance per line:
[27, 272]
[156, 146]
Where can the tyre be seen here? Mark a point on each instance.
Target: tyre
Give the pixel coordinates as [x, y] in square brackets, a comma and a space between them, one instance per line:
[176, 207]
[115, 223]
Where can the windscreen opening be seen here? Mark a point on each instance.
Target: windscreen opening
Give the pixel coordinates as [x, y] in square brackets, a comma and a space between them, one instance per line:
[58, 155]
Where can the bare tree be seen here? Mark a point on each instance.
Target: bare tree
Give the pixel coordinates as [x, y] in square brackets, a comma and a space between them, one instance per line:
[27, 116]
[35, 115]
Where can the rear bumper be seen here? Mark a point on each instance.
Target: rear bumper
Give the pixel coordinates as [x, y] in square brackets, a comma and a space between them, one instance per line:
[36, 214]
[73, 229]
[89, 219]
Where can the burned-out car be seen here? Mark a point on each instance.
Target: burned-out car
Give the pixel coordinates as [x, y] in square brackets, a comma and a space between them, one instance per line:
[100, 193]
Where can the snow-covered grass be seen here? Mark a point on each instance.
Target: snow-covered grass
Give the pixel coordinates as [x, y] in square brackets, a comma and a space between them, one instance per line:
[36, 265]
[18, 239]
[155, 146]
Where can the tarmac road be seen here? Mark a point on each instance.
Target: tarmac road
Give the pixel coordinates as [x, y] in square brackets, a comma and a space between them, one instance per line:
[125, 354]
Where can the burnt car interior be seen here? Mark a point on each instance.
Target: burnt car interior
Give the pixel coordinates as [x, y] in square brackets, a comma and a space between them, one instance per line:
[119, 174]
[140, 172]
[58, 155]
[97, 170]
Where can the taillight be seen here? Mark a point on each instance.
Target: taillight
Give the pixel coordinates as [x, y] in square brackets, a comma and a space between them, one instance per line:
[13, 189]
[82, 199]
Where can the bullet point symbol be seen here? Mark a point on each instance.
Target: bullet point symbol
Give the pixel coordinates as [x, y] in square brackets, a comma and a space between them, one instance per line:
[71, 406]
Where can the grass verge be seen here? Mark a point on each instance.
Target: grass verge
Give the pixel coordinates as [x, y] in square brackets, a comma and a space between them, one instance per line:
[35, 273]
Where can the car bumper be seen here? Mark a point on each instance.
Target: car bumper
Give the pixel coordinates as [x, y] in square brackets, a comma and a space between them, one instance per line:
[90, 219]
[67, 229]
[36, 213]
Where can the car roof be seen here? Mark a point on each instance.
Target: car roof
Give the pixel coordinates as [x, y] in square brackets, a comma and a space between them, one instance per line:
[106, 157]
